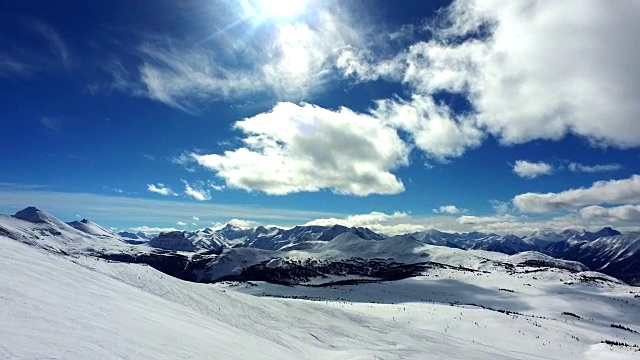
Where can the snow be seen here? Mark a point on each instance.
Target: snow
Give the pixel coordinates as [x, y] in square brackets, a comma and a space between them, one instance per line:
[90, 228]
[530, 257]
[54, 306]
[57, 300]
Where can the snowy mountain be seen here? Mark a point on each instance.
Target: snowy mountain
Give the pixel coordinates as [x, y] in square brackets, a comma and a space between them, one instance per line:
[617, 255]
[39, 228]
[91, 228]
[212, 254]
[67, 307]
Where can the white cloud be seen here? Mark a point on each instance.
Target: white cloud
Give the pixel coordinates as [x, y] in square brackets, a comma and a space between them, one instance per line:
[530, 170]
[195, 218]
[181, 223]
[432, 127]
[241, 223]
[360, 220]
[290, 61]
[498, 218]
[296, 148]
[182, 77]
[302, 57]
[161, 189]
[625, 191]
[577, 167]
[510, 224]
[500, 207]
[448, 209]
[151, 230]
[390, 224]
[197, 192]
[624, 213]
[541, 70]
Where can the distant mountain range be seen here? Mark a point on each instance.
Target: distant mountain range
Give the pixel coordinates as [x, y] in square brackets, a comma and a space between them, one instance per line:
[243, 253]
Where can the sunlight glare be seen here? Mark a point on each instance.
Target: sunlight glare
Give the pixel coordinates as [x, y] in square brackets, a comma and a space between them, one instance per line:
[281, 8]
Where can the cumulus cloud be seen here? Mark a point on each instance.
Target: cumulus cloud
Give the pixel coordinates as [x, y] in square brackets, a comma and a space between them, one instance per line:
[161, 189]
[625, 191]
[530, 70]
[521, 225]
[448, 209]
[530, 170]
[363, 220]
[241, 223]
[196, 191]
[390, 224]
[472, 219]
[181, 223]
[432, 127]
[296, 148]
[195, 218]
[577, 167]
[624, 213]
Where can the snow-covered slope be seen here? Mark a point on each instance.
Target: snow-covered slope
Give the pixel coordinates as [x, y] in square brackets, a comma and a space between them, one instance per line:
[54, 306]
[91, 228]
[40, 229]
[536, 259]
[56, 309]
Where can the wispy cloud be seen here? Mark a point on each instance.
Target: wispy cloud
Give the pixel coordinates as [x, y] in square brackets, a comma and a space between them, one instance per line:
[11, 67]
[45, 52]
[56, 45]
[577, 167]
[196, 191]
[52, 123]
[128, 209]
[161, 189]
[290, 61]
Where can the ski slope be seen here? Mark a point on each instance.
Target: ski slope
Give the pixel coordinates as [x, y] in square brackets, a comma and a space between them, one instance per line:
[78, 307]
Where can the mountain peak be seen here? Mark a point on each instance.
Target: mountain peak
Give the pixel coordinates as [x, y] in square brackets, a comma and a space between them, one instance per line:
[605, 231]
[34, 215]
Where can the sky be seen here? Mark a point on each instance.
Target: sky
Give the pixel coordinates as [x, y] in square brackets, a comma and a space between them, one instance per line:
[466, 115]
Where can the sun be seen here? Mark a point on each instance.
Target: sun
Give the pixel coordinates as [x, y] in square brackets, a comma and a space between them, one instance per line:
[281, 8]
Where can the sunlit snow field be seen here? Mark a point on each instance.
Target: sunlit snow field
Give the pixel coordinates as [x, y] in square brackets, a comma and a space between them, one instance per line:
[61, 307]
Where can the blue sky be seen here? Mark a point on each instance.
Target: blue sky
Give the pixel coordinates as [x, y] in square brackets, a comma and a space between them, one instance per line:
[465, 115]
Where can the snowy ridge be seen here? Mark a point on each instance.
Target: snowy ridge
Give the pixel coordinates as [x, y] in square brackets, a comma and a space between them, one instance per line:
[91, 228]
[536, 259]
[38, 228]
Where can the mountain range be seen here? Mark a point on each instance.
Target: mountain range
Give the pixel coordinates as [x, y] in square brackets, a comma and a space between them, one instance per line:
[211, 254]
